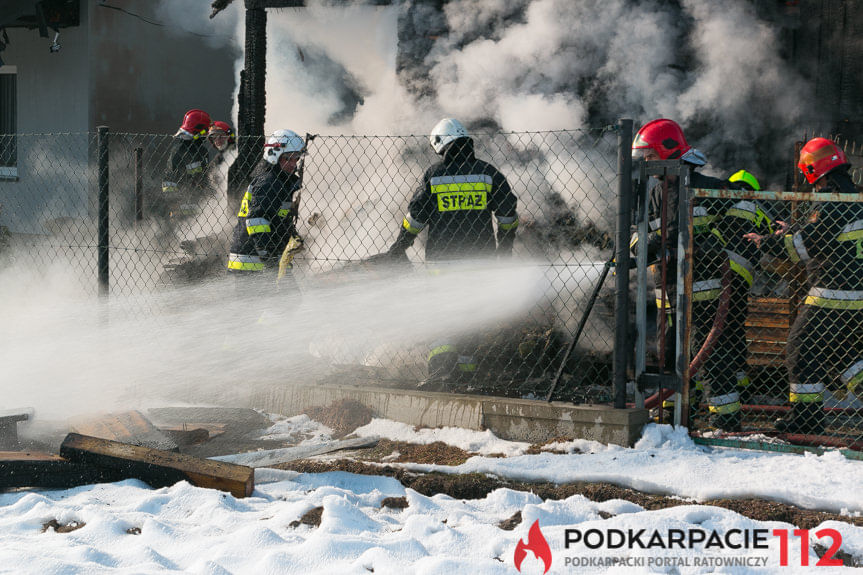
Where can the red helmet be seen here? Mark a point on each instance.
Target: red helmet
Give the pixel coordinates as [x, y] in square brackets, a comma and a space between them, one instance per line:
[819, 157]
[196, 122]
[220, 128]
[664, 137]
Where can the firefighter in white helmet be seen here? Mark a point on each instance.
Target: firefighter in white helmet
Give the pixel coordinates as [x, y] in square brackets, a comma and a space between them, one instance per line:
[267, 216]
[457, 199]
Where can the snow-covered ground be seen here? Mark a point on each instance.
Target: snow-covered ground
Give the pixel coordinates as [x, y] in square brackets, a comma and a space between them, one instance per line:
[131, 528]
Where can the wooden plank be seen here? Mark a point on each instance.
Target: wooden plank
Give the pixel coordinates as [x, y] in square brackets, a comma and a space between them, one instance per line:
[771, 334]
[156, 467]
[771, 305]
[765, 360]
[125, 427]
[269, 457]
[770, 320]
[35, 469]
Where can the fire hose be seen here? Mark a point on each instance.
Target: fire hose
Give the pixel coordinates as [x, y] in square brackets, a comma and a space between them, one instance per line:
[712, 337]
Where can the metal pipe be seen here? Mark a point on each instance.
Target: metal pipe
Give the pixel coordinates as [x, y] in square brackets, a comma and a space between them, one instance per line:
[768, 196]
[621, 307]
[684, 293]
[641, 283]
[103, 238]
[580, 328]
[139, 184]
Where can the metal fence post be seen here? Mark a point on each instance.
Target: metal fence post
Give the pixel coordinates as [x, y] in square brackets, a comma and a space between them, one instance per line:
[684, 294]
[103, 210]
[139, 184]
[621, 307]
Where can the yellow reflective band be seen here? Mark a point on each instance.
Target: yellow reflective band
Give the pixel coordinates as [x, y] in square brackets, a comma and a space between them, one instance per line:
[702, 220]
[244, 205]
[455, 201]
[698, 230]
[706, 295]
[261, 229]
[441, 349]
[743, 379]
[718, 235]
[833, 303]
[850, 236]
[741, 271]
[806, 397]
[467, 367]
[789, 247]
[699, 386]
[169, 187]
[411, 229]
[245, 266]
[659, 304]
[507, 223]
[746, 215]
[733, 407]
[283, 213]
[633, 241]
[460, 187]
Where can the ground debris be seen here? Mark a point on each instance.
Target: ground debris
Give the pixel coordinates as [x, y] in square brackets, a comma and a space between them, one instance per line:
[395, 502]
[478, 486]
[437, 453]
[61, 528]
[342, 416]
[311, 517]
[511, 523]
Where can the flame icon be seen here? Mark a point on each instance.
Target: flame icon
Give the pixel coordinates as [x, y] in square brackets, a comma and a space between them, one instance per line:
[535, 542]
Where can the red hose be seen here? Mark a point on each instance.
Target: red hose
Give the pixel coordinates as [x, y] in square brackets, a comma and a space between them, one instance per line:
[709, 341]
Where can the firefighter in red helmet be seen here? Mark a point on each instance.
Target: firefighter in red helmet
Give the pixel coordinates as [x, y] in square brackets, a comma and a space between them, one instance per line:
[221, 136]
[185, 180]
[663, 139]
[825, 339]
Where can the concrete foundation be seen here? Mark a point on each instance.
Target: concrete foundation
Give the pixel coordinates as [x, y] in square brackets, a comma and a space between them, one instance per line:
[514, 419]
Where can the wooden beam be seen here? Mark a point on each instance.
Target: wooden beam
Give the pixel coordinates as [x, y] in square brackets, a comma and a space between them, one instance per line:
[33, 469]
[9, 426]
[125, 427]
[158, 468]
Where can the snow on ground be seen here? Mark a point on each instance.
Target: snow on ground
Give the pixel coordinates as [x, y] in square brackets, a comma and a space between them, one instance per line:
[131, 528]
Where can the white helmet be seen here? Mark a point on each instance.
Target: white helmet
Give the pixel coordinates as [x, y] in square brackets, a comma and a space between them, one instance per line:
[445, 132]
[280, 142]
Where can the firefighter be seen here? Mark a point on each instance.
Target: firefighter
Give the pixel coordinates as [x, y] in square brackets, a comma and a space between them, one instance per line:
[267, 216]
[221, 136]
[185, 180]
[825, 337]
[740, 217]
[663, 139]
[456, 201]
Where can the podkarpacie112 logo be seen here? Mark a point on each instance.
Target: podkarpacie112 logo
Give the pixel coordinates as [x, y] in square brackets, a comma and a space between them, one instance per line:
[537, 544]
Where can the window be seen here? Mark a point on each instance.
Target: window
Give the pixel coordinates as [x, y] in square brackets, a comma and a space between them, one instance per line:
[8, 122]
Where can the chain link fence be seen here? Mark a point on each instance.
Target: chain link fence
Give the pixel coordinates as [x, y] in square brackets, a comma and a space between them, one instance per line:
[786, 310]
[154, 238]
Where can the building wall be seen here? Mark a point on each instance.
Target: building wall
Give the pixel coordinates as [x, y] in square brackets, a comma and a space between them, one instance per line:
[52, 98]
[117, 70]
[144, 77]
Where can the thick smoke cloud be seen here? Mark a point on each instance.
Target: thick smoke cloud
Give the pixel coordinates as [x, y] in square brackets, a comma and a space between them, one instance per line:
[550, 64]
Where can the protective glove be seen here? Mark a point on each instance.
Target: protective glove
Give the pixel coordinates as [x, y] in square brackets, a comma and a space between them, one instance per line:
[397, 251]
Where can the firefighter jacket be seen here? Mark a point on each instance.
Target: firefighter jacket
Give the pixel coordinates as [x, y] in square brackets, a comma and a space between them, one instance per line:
[830, 244]
[456, 201]
[708, 247]
[187, 165]
[735, 219]
[265, 222]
